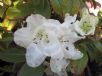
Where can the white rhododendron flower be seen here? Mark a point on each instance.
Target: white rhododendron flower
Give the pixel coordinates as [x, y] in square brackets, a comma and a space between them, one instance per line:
[87, 24]
[49, 38]
[40, 38]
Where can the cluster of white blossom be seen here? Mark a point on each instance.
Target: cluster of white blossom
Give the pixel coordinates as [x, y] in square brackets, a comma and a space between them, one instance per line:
[49, 38]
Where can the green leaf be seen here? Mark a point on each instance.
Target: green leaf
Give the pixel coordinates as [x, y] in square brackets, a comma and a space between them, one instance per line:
[94, 49]
[98, 45]
[42, 7]
[7, 38]
[78, 66]
[14, 55]
[91, 53]
[6, 68]
[89, 46]
[28, 71]
[19, 11]
[66, 6]
[23, 10]
[98, 57]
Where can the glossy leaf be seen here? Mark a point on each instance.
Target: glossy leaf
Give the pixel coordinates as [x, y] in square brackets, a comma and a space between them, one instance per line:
[14, 55]
[28, 71]
[78, 66]
[42, 7]
[98, 45]
[19, 11]
[33, 6]
[91, 52]
[89, 47]
[94, 49]
[66, 6]
[7, 38]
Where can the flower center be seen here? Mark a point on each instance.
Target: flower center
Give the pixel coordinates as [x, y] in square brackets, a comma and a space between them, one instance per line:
[86, 27]
[41, 35]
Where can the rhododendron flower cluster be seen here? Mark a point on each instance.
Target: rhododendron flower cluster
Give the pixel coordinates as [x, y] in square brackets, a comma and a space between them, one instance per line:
[49, 38]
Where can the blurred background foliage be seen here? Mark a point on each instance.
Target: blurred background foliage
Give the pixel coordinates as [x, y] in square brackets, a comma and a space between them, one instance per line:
[12, 57]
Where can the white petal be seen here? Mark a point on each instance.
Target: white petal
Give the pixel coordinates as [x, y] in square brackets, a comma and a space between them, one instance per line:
[53, 50]
[53, 47]
[59, 54]
[70, 19]
[78, 29]
[65, 29]
[52, 25]
[94, 11]
[34, 20]
[99, 1]
[34, 56]
[57, 65]
[68, 22]
[67, 25]
[73, 37]
[52, 22]
[63, 73]
[73, 53]
[23, 37]
[85, 12]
